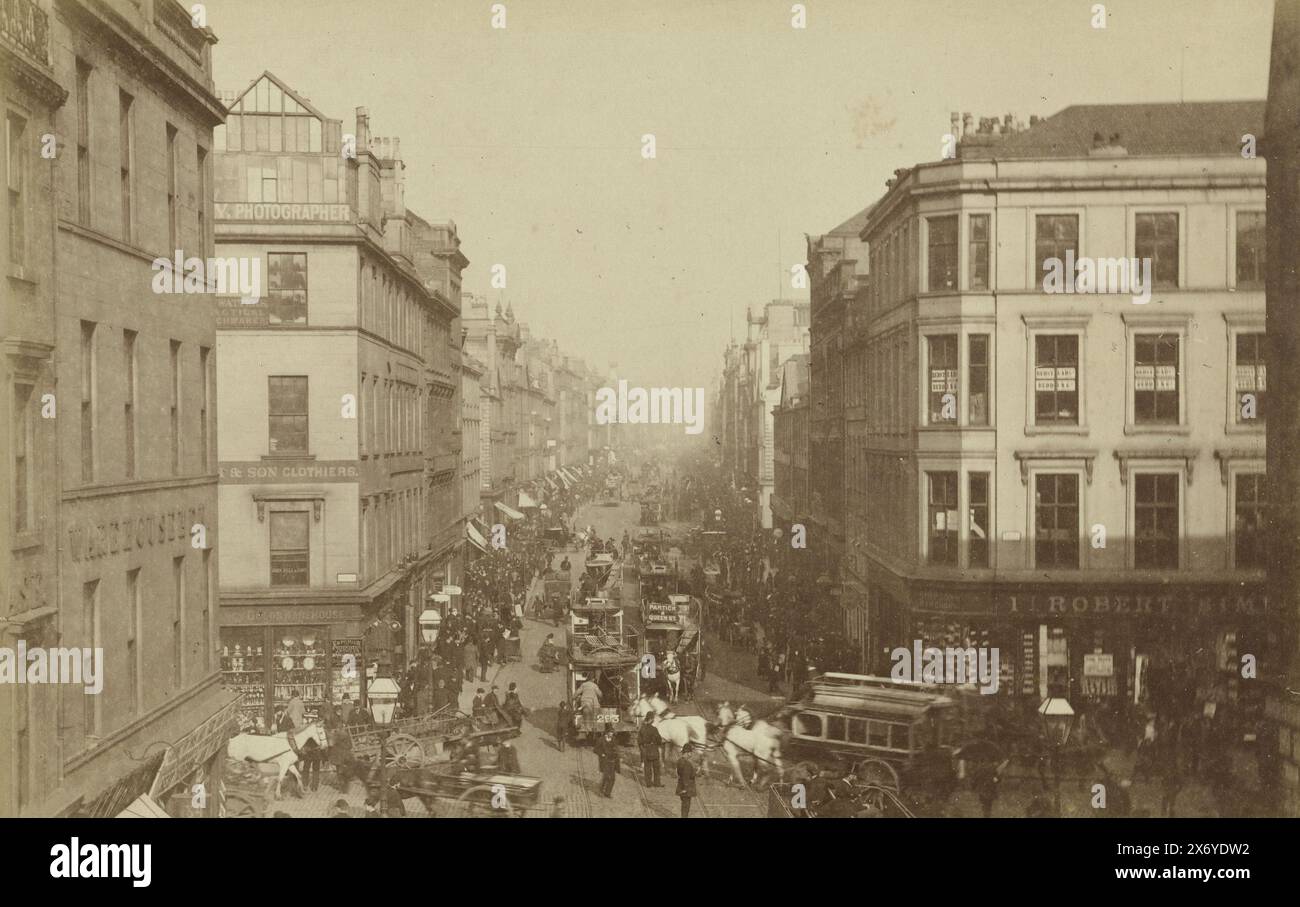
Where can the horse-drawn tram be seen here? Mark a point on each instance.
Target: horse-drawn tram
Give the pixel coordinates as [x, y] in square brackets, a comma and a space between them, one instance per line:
[673, 626]
[604, 677]
[876, 731]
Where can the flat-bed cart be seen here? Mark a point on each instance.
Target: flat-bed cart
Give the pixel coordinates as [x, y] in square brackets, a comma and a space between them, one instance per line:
[413, 742]
[466, 793]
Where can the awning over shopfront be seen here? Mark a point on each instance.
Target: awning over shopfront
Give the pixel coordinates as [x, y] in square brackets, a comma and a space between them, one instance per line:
[526, 500]
[509, 511]
[475, 537]
[551, 481]
[570, 474]
[183, 758]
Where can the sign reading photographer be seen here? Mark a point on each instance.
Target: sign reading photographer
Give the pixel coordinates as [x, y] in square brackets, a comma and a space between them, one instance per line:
[273, 212]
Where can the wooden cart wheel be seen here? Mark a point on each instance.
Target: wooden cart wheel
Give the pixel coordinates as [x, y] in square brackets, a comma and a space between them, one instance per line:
[878, 771]
[873, 797]
[475, 805]
[404, 751]
[238, 807]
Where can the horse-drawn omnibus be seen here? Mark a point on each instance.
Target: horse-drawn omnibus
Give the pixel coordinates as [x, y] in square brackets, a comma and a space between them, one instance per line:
[603, 652]
[888, 732]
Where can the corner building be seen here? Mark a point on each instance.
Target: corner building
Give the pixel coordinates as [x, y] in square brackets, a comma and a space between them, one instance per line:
[337, 485]
[1082, 475]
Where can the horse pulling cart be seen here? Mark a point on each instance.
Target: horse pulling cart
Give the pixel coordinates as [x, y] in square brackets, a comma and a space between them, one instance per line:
[414, 742]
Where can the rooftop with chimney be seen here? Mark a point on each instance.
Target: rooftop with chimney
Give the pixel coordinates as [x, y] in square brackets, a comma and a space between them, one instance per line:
[1084, 130]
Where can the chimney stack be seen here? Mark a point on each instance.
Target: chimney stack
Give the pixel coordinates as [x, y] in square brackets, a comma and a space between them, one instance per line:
[363, 129]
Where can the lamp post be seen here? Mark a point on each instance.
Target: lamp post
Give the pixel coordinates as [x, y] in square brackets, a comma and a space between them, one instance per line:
[1057, 717]
[382, 695]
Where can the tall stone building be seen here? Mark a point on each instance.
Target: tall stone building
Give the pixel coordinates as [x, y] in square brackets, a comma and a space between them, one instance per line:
[837, 264]
[340, 449]
[1091, 506]
[493, 339]
[780, 332]
[110, 507]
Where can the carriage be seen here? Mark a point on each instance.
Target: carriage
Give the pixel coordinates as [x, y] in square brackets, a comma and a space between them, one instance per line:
[890, 734]
[557, 592]
[612, 485]
[478, 792]
[655, 580]
[601, 650]
[599, 569]
[849, 800]
[556, 538]
[421, 739]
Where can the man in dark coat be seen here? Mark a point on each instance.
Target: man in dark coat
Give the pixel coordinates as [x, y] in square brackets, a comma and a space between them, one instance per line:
[647, 737]
[492, 707]
[508, 759]
[607, 753]
[563, 723]
[686, 779]
[487, 651]
[514, 706]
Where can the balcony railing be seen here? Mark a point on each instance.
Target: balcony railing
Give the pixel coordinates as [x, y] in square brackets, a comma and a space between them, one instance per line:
[25, 24]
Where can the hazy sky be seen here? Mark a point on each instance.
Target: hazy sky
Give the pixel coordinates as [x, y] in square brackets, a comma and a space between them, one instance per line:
[529, 138]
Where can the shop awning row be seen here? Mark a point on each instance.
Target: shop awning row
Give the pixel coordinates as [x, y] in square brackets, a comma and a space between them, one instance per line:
[509, 511]
[475, 537]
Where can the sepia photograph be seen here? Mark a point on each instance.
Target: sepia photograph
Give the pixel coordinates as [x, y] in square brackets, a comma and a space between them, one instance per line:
[650, 409]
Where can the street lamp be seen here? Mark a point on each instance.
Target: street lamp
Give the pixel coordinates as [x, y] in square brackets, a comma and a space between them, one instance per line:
[382, 695]
[431, 617]
[1057, 717]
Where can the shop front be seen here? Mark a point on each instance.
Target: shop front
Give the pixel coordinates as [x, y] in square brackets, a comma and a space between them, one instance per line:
[1124, 644]
[271, 653]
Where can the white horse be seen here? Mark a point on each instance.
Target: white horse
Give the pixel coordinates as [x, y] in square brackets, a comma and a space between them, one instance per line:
[677, 731]
[673, 674]
[762, 742]
[274, 749]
